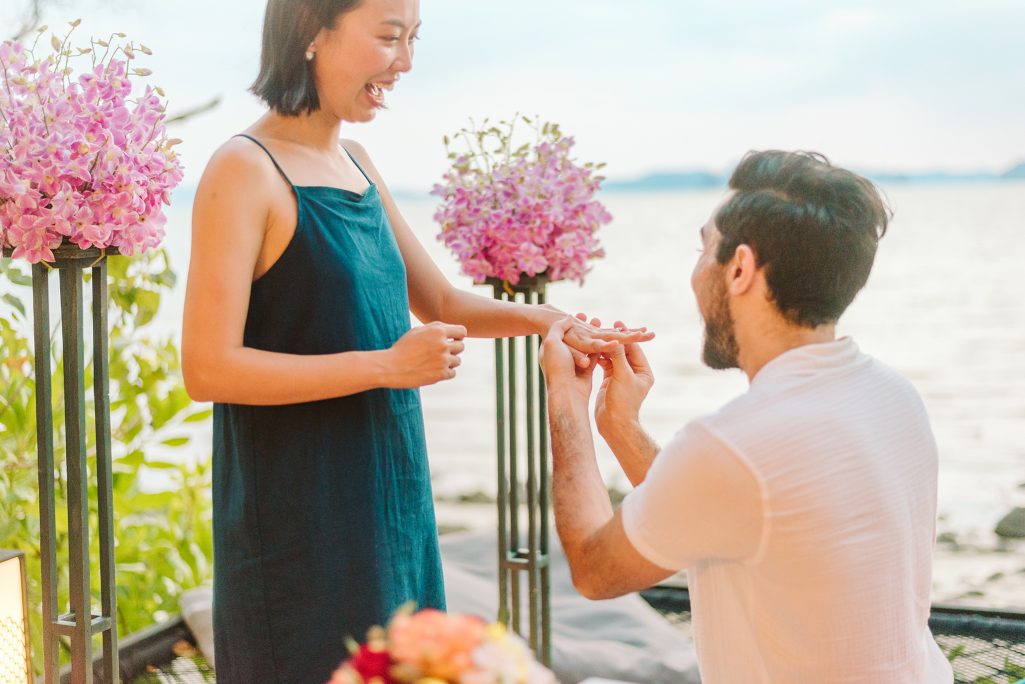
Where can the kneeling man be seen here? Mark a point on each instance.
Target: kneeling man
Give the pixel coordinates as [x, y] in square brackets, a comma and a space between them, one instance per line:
[804, 510]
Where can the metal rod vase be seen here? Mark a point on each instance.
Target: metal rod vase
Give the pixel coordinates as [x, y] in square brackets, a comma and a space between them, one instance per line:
[80, 623]
[523, 478]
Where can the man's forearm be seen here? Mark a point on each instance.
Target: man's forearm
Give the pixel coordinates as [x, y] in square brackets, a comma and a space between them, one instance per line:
[580, 498]
[634, 448]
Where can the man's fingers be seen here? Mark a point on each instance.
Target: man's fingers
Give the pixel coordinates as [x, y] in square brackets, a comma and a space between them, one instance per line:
[635, 356]
[618, 358]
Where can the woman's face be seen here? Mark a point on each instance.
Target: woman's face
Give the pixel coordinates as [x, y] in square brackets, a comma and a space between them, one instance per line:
[362, 56]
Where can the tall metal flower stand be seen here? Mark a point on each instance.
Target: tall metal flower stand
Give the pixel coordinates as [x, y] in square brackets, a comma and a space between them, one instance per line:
[523, 478]
[80, 624]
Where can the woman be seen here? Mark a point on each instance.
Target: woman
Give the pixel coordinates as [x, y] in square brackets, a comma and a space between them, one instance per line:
[302, 276]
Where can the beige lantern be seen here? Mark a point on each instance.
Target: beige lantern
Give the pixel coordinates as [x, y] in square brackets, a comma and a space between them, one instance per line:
[15, 663]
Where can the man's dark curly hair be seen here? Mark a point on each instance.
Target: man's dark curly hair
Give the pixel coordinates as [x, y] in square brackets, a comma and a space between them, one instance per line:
[813, 227]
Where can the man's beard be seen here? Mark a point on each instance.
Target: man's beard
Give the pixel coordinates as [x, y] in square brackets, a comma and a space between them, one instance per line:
[720, 350]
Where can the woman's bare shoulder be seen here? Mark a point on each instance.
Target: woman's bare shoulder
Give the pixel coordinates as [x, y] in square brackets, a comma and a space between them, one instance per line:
[354, 148]
[239, 166]
[362, 157]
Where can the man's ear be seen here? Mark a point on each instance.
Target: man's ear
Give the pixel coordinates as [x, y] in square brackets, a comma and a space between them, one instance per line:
[741, 270]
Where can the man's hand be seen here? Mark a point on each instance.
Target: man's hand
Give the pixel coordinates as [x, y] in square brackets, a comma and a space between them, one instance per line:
[626, 383]
[586, 339]
[562, 372]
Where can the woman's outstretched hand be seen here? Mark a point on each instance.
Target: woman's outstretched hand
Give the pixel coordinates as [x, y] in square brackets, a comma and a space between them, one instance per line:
[586, 339]
[425, 355]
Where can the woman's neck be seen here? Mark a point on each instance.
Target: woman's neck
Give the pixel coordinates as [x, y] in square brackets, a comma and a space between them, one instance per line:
[316, 130]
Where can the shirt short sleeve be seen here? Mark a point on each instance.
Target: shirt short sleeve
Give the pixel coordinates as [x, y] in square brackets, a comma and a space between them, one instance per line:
[700, 501]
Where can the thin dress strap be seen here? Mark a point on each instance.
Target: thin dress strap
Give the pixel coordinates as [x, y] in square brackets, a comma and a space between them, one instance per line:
[273, 160]
[357, 164]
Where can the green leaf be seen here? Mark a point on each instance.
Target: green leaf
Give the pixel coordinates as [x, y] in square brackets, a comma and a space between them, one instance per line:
[19, 278]
[199, 416]
[158, 464]
[1013, 670]
[174, 442]
[131, 460]
[15, 302]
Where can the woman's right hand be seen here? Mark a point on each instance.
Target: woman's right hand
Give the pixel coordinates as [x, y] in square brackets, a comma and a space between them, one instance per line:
[425, 355]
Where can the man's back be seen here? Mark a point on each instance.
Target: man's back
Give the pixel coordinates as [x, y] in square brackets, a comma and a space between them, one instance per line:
[837, 586]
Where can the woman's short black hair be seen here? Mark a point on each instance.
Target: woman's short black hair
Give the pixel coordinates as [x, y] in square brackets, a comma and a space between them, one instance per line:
[286, 80]
[813, 226]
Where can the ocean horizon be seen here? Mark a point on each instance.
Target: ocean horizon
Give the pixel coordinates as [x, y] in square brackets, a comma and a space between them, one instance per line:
[940, 307]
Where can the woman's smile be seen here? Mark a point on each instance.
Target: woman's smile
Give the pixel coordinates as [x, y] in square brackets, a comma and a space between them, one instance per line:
[375, 91]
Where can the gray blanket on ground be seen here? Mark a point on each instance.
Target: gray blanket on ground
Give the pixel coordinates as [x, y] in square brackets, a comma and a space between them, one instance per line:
[621, 639]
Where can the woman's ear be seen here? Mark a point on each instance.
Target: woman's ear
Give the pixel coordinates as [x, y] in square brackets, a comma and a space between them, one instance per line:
[740, 272]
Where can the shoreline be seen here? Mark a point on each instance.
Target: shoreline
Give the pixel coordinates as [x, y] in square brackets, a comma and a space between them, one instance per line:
[972, 570]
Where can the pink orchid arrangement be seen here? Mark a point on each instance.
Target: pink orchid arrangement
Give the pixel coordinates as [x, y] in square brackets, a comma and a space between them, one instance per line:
[80, 162]
[510, 211]
[432, 647]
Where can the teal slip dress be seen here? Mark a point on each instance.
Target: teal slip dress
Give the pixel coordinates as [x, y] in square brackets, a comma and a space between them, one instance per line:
[322, 511]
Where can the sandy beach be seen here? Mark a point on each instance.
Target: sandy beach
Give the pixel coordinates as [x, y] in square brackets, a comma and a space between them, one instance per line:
[973, 571]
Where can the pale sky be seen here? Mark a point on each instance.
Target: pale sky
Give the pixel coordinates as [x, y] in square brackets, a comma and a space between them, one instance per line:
[644, 85]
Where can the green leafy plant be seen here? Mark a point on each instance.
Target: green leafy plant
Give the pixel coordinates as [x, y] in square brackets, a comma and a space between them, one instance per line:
[163, 542]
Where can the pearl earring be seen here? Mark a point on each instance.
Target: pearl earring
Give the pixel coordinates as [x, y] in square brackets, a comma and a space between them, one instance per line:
[309, 55]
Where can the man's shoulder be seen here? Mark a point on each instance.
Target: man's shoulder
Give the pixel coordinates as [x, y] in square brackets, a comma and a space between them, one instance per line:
[797, 400]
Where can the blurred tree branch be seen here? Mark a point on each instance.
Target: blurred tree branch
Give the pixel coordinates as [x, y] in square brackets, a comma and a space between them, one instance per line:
[181, 117]
[33, 13]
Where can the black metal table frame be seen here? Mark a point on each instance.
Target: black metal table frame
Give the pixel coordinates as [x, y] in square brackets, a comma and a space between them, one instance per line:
[80, 625]
[516, 559]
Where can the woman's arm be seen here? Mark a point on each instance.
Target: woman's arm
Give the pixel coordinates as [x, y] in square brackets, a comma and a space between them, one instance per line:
[234, 207]
[432, 297]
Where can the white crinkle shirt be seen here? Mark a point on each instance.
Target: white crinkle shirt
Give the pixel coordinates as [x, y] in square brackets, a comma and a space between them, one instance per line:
[831, 453]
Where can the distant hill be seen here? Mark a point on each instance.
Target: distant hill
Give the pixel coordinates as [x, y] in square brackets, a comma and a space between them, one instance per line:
[692, 180]
[668, 181]
[931, 177]
[1015, 172]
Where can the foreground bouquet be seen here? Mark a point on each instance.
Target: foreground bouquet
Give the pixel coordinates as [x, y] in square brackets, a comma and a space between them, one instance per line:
[510, 211]
[432, 647]
[79, 161]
